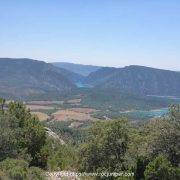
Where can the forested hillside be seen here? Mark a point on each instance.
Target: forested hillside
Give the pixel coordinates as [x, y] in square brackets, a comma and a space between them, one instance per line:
[81, 69]
[20, 78]
[137, 80]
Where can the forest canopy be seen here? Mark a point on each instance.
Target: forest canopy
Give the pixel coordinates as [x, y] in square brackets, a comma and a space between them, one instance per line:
[150, 150]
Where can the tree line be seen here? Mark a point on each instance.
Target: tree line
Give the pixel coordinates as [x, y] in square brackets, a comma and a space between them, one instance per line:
[151, 150]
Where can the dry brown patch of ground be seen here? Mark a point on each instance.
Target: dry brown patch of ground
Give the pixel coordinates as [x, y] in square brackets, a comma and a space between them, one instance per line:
[39, 107]
[41, 116]
[64, 115]
[74, 101]
[83, 110]
[44, 102]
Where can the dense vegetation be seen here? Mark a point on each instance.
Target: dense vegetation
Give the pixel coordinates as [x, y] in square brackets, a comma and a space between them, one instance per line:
[25, 148]
[68, 134]
[81, 69]
[23, 78]
[114, 100]
[137, 80]
[27, 79]
[112, 103]
[150, 151]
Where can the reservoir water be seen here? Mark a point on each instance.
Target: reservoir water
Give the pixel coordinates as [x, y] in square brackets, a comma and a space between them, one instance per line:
[140, 114]
[82, 85]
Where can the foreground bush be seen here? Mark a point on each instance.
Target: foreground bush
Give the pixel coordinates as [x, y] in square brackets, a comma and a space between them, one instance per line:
[161, 169]
[21, 134]
[19, 170]
[106, 148]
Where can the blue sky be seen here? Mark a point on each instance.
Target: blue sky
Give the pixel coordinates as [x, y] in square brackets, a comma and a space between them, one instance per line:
[98, 32]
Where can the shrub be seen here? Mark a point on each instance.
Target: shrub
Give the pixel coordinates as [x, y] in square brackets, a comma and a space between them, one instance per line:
[18, 169]
[161, 169]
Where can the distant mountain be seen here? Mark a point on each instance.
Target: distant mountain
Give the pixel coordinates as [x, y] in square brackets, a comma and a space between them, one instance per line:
[24, 78]
[137, 80]
[100, 76]
[21, 78]
[83, 70]
[72, 76]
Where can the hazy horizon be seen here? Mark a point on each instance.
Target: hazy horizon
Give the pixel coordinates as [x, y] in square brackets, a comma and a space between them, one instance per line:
[72, 62]
[102, 33]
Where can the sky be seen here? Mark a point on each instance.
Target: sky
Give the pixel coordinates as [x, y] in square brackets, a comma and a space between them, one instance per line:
[98, 32]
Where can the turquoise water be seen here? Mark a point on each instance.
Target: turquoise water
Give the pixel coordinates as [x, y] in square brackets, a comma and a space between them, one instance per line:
[166, 97]
[82, 85]
[139, 114]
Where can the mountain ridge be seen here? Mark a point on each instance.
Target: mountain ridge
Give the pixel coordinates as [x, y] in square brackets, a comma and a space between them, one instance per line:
[27, 77]
[137, 79]
[81, 69]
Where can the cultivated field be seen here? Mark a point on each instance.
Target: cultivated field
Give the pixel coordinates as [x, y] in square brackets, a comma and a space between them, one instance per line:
[74, 101]
[44, 103]
[41, 116]
[84, 110]
[51, 110]
[39, 107]
[78, 114]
